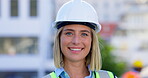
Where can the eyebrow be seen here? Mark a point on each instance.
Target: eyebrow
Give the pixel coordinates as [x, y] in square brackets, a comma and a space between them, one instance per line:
[74, 30]
[85, 31]
[68, 30]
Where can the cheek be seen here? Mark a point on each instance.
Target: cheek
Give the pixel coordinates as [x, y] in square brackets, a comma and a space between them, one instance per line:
[87, 42]
[63, 41]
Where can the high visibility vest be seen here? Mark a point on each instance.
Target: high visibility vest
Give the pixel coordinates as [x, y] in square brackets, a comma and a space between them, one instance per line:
[100, 74]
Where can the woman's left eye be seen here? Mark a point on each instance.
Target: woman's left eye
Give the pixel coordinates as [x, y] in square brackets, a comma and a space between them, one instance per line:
[84, 34]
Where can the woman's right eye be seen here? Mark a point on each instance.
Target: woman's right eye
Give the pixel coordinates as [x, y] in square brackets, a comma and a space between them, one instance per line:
[68, 33]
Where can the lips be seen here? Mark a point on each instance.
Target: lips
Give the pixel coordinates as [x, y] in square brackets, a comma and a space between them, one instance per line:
[75, 49]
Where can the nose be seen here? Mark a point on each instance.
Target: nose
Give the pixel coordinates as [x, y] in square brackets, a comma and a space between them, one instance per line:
[76, 40]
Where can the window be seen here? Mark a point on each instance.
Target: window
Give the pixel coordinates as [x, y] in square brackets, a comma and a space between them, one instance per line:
[117, 5]
[14, 7]
[120, 32]
[106, 16]
[143, 46]
[19, 74]
[0, 7]
[106, 5]
[33, 7]
[18, 45]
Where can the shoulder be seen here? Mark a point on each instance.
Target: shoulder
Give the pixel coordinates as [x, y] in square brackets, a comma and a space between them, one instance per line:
[106, 74]
[47, 76]
[104, 71]
[55, 73]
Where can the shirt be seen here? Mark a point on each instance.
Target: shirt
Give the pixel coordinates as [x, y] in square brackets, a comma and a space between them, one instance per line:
[61, 72]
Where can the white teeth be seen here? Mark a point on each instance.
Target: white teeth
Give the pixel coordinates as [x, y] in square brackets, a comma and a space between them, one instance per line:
[76, 49]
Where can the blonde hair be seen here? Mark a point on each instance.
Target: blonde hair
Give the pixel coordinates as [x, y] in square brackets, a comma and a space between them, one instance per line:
[93, 58]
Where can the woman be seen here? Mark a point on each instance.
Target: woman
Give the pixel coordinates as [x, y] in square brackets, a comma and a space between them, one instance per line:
[76, 46]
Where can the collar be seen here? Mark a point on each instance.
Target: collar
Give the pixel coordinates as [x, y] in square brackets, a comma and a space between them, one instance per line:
[61, 70]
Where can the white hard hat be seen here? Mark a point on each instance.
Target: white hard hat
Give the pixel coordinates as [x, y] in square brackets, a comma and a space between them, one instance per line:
[77, 11]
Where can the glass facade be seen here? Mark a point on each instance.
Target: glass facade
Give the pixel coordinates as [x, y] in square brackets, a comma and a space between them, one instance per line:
[0, 7]
[14, 7]
[18, 45]
[27, 74]
[33, 7]
[143, 46]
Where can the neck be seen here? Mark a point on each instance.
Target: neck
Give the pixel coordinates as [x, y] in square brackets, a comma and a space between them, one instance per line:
[76, 69]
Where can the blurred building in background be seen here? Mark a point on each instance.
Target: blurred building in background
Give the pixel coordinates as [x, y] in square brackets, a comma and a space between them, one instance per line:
[26, 38]
[130, 38]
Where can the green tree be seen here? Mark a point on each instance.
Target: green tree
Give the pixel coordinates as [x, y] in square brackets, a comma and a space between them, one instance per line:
[109, 61]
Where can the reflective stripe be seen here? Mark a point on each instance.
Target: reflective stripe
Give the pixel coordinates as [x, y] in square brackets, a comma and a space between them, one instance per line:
[110, 74]
[97, 75]
[53, 75]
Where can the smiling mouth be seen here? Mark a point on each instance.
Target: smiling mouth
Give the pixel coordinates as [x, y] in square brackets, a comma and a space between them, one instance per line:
[75, 50]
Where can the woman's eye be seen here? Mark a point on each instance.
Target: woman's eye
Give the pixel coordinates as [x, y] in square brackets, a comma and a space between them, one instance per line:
[84, 34]
[68, 33]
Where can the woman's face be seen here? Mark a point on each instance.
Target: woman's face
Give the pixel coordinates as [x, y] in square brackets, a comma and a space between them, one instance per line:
[75, 42]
